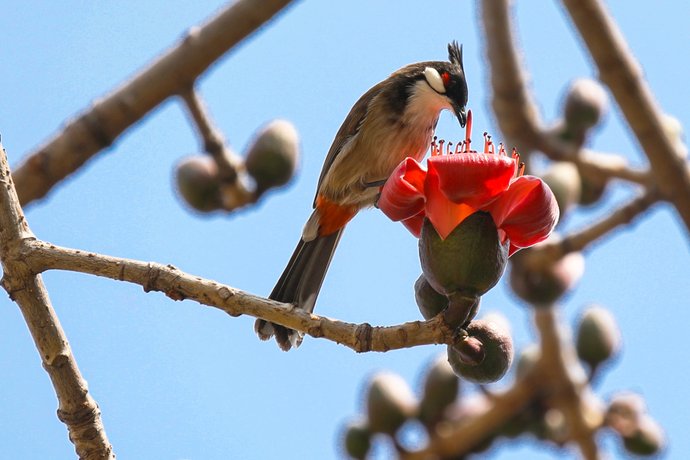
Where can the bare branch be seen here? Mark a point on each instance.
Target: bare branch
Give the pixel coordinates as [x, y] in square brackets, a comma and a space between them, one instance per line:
[77, 409]
[580, 240]
[516, 112]
[567, 383]
[460, 437]
[619, 70]
[101, 124]
[178, 285]
[214, 144]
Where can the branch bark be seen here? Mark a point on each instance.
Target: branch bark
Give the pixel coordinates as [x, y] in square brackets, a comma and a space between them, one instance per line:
[101, 124]
[619, 70]
[178, 285]
[77, 409]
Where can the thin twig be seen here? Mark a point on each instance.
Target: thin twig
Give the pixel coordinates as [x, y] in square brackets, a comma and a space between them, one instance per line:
[178, 285]
[460, 437]
[77, 409]
[214, 143]
[101, 124]
[581, 239]
[619, 70]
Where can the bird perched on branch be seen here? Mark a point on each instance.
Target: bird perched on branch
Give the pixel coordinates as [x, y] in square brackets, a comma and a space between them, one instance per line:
[395, 119]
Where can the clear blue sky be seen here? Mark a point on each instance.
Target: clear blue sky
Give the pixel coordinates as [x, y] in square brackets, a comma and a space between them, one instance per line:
[181, 381]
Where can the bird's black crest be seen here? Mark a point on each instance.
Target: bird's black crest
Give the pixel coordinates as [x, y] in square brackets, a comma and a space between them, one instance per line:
[455, 54]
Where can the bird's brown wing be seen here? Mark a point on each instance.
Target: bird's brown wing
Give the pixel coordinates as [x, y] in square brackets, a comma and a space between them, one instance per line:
[349, 128]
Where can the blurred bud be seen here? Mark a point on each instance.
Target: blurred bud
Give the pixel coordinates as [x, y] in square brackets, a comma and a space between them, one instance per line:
[674, 130]
[564, 180]
[538, 279]
[556, 426]
[389, 403]
[598, 336]
[648, 438]
[470, 260]
[586, 102]
[441, 387]
[198, 182]
[273, 155]
[624, 412]
[529, 356]
[497, 348]
[593, 184]
[430, 302]
[357, 439]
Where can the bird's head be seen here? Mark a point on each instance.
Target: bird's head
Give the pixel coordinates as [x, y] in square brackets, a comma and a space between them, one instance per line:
[447, 79]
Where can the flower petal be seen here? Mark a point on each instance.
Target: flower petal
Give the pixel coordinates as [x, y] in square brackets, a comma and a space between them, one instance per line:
[402, 196]
[443, 213]
[473, 178]
[414, 224]
[527, 212]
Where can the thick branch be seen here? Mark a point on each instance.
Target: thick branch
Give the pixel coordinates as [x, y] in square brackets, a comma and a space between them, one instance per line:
[619, 70]
[77, 409]
[567, 383]
[178, 285]
[516, 112]
[100, 125]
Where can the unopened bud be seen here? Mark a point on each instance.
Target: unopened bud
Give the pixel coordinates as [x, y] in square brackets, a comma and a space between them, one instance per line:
[538, 279]
[430, 302]
[585, 104]
[389, 403]
[497, 348]
[441, 387]
[470, 260]
[273, 155]
[598, 336]
[528, 358]
[563, 178]
[648, 438]
[357, 440]
[198, 182]
[624, 412]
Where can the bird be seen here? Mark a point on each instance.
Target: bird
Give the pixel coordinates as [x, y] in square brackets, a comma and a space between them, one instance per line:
[393, 120]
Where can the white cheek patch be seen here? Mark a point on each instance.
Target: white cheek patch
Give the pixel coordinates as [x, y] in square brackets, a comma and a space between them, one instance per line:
[434, 79]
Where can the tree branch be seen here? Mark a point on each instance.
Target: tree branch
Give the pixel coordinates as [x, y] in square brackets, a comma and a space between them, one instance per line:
[178, 285]
[619, 70]
[101, 124]
[567, 383]
[77, 409]
[579, 240]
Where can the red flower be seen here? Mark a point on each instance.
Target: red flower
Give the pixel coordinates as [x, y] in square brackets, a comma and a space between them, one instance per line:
[455, 185]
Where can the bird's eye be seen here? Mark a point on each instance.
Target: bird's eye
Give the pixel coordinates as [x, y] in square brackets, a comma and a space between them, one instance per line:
[445, 76]
[435, 80]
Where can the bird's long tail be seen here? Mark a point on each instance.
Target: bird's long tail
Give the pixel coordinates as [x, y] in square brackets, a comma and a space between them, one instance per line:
[300, 284]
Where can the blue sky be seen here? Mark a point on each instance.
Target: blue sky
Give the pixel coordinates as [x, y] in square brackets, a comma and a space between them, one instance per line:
[181, 381]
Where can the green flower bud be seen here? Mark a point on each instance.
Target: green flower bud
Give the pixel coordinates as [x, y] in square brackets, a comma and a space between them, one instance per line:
[598, 336]
[198, 182]
[536, 278]
[529, 356]
[498, 354]
[470, 260]
[624, 413]
[563, 178]
[430, 302]
[273, 155]
[585, 104]
[389, 403]
[647, 439]
[357, 440]
[441, 388]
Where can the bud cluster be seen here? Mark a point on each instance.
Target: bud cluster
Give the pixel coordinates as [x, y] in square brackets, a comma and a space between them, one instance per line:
[270, 162]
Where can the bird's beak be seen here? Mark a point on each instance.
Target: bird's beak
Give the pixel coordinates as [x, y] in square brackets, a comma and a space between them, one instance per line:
[461, 114]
